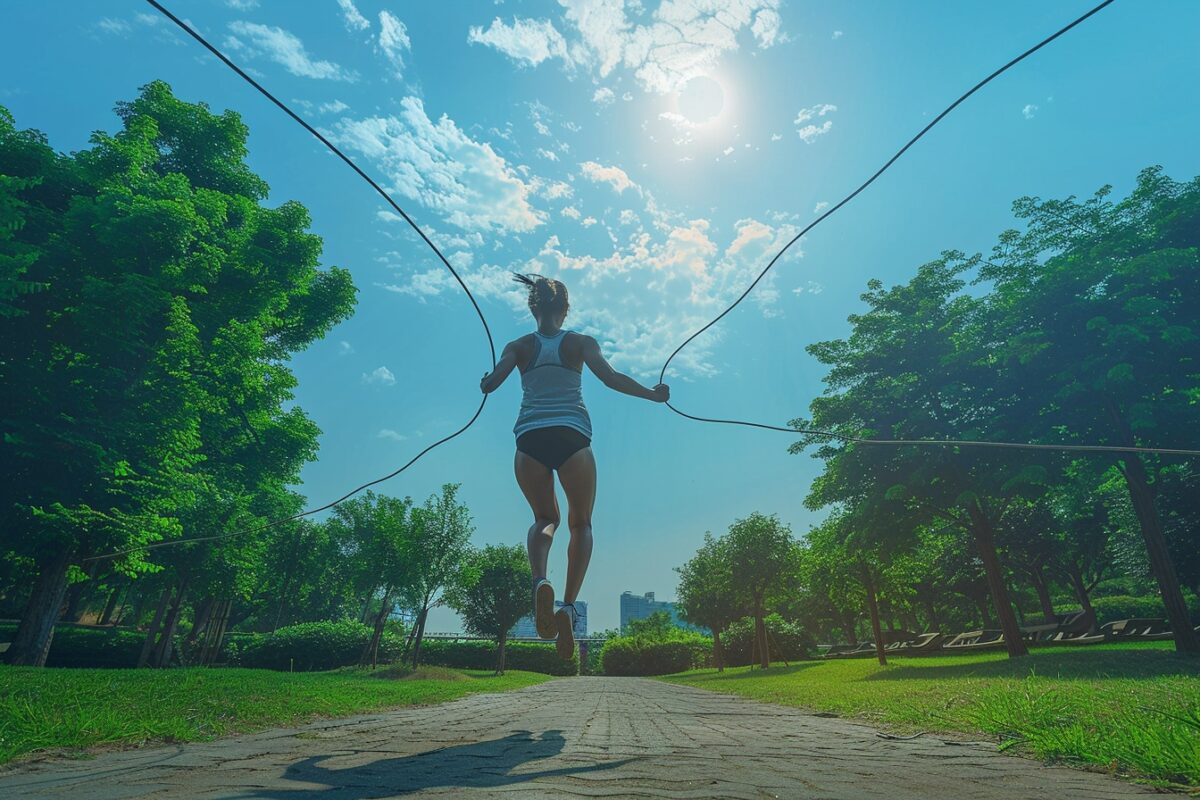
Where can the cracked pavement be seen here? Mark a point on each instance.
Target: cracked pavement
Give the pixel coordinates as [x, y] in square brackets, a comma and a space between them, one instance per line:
[573, 737]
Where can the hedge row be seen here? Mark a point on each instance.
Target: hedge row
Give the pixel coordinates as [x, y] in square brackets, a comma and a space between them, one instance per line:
[89, 647]
[313, 646]
[629, 655]
[529, 656]
[1115, 607]
[786, 641]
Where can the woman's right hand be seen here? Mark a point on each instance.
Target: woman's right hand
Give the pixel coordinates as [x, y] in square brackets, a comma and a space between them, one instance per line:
[660, 393]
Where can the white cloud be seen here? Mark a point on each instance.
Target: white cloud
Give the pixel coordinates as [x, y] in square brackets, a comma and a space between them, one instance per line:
[557, 189]
[681, 39]
[603, 96]
[809, 287]
[110, 25]
[775, 137]
[808, 133]
[381, 376]
[727, 150]
[1029, 111]
[336, 107]
[242, 5]
[345, 348]
[393, 40]
[588, 222]
[613, 176]
[439, 165]
[549, 155]
[284, 49]
[353, 19]
[628, 216]
[838, 34]
[571, 211]
[821, 206]
[526, 41]
[388, 433]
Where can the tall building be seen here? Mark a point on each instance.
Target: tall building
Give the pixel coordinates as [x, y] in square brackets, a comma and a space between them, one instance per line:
[524, 628]
[635, 606]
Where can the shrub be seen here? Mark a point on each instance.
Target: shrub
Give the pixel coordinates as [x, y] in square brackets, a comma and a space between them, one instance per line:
[476, 654]
[1121, 606]
[75, 646]
[787, 641]
[315, 646]
[632, 655]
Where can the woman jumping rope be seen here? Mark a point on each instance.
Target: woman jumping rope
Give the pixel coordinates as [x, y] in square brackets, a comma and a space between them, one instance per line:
[554, 434]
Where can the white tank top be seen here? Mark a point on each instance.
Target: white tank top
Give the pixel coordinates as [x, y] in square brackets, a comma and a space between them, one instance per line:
[553, 392]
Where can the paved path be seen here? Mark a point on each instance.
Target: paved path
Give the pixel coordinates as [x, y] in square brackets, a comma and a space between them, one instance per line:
[576, 737]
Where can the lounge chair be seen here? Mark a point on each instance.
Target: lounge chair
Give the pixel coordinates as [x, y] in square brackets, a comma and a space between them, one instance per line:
[986, 639]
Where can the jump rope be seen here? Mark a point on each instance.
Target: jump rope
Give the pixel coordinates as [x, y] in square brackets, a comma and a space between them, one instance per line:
[662, 374]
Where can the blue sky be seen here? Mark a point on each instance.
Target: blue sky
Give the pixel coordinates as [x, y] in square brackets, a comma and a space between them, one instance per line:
[651, 155]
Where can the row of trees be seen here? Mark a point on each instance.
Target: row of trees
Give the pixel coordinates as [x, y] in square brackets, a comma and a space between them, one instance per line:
[1079, 330]
[149, 303]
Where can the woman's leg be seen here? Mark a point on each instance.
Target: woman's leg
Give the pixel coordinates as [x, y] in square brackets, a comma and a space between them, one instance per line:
[537, 483]
[578, 478]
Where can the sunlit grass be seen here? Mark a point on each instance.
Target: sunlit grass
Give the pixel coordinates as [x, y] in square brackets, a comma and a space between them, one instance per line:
[74, 709]
[1132, 708]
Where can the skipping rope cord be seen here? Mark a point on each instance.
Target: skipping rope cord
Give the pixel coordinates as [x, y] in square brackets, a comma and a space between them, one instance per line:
[844, 201]
[387, 197]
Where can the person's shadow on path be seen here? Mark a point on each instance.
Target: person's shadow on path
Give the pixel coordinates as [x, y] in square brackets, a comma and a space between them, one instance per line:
[470, 766]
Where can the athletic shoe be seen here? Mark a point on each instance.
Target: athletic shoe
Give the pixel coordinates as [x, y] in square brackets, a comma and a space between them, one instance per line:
[564, 618]
[543, 609]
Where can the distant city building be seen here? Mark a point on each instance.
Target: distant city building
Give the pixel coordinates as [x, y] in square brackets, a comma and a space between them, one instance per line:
[635, 606]
[524, 629]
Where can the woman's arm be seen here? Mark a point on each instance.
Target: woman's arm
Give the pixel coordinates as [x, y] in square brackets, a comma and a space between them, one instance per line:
[504, 367]
[617, 381]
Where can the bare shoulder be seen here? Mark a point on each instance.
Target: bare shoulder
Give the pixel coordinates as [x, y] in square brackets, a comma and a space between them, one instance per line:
[522, 348]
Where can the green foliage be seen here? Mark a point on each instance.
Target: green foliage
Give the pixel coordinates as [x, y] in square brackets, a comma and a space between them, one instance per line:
[528, 656]
[1117, 607]
[316, 646]
[625, 655]
[89, 647]
[787, 641]
[491, 591]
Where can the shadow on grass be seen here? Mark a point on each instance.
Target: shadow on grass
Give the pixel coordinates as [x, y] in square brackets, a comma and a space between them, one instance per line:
[1051, 663]
[479, 765]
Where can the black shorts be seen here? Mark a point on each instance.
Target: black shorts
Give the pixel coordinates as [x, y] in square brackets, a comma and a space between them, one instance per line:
[552, 446]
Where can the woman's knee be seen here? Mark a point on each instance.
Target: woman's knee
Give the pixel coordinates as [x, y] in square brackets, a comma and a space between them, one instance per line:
[580, 525]
[546, 523]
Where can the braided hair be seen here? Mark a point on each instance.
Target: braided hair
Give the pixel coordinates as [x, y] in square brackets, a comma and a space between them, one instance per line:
[546, 295]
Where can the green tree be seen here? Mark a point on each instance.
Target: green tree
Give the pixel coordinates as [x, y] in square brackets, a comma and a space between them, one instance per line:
[145, 390]
[442, 529]
[706, 595]
[761, 555]
[1093, 309]
[491, 592]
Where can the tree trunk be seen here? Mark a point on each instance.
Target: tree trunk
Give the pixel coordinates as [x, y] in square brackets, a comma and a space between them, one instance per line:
[152, 632]
[1043, 592]
[31, 643]
[760, 636]
[370, 654]
[416, 657]
[1081, 591]
[849, 623]
[500, 653]
[1142, 495]
[215, 634]
[166, 642]
[985, 544]
[873, 610]
[200, 623]
[931, 610]
[110, 606]
[718, 655]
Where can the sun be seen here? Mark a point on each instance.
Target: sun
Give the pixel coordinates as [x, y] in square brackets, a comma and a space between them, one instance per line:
[701, 100]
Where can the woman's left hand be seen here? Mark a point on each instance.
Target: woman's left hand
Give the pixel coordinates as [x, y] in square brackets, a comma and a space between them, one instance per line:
[483, 382]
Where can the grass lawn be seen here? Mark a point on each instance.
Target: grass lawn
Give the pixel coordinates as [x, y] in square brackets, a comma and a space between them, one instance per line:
[1130, 708]
[73, 709]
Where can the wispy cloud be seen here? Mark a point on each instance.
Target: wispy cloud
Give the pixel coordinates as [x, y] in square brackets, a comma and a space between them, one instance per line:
[393, 40]
[242, 5]
[336, 107]
[381, 376]
[1029, 111]
[681, 39]
[808, 133]
[613, 176]
[388, 433]
[345, 348]
[837, 35]
[603, 96]
[283, 48]
[351, 16]
[439, 165]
